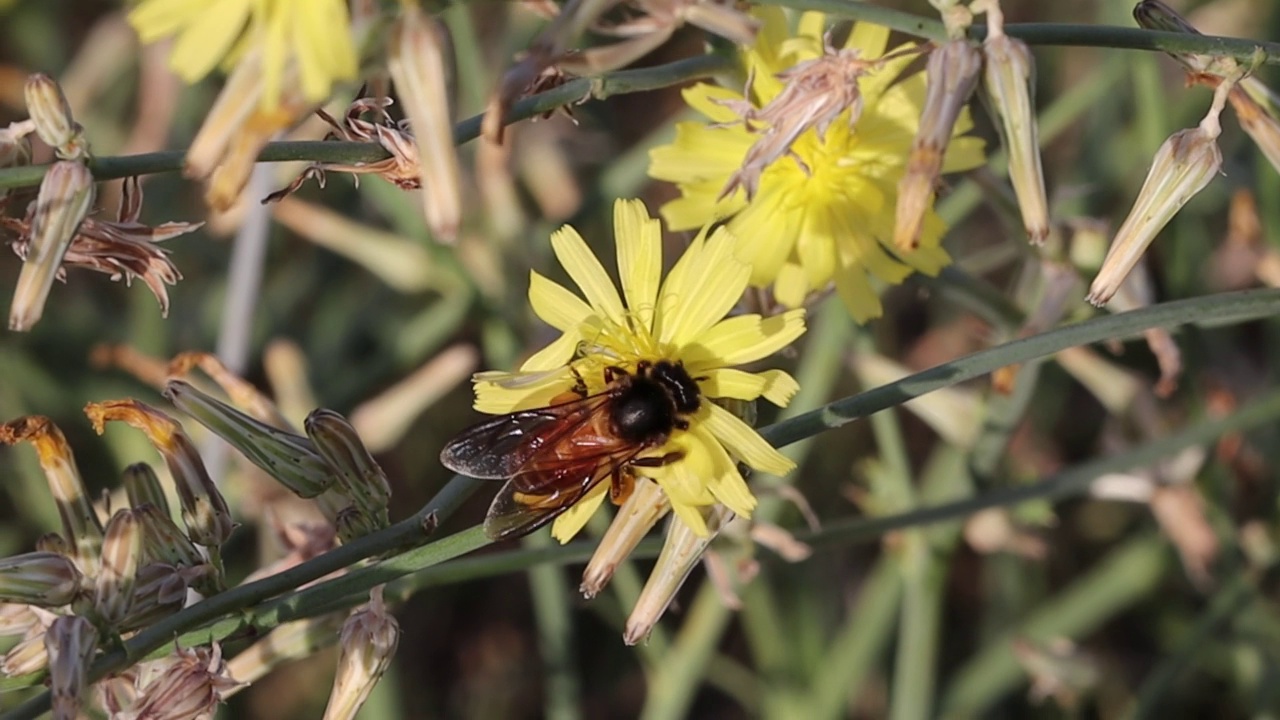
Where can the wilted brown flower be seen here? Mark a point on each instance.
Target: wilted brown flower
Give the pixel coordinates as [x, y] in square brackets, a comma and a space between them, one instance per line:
[401, 168]
[368, 643]
[123, 248]
[815, 93]
[190, 687]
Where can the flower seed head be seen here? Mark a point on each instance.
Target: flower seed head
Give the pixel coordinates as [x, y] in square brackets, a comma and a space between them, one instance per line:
[40, 578]
[951, 76]
[680, 553]
[1182, 167]
[291, 459]
[80, 523]
[70, 642]
[358, 475]
[191, 687]
[51, 114]
[418, 61]
[366, 646]
[637, 516]
[204, 510]
[65, 197]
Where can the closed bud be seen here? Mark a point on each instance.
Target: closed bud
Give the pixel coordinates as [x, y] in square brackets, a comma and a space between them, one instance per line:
[1183, 166]
[55, 543]
[418, 61]
[51, 114]
[80, 523]
[29, 655]
[350, 521]
[680, 553]
[950, 76]
[1155, 15]
[358, 475]
[70, 642]
[1009, 76]
[142, 486]
[291, 459]
[366, 645]
[637, 516]
[191, 687]
[39, 578]
[121, 551]
[65, 197]
[163, 541]
[204, 511]
[161, 590]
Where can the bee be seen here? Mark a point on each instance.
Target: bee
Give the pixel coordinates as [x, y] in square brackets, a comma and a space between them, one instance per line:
[552, 457]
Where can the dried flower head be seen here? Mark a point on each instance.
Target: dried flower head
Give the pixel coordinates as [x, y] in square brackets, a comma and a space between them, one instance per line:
[66, 194]
[418, 62]
[123, 248]
[191, 686]
[1182, 167]
[367, 645]
[402, 168]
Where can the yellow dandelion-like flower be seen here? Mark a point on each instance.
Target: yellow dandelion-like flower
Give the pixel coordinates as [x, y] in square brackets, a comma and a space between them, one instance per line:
[822, 208]
[680, 323]
[312, 35]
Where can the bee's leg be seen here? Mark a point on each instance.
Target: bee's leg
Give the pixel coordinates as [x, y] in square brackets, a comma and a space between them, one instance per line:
[622, 485]
[612, 373]
[579, 383]
[671, 457]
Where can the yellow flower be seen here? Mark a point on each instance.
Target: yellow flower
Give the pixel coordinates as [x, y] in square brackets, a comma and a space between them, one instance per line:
[309, 37]
[822, 209]
[681, 320]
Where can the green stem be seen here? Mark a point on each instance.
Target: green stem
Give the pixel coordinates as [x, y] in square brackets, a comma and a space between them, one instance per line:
[619, 83]
[1064, 34]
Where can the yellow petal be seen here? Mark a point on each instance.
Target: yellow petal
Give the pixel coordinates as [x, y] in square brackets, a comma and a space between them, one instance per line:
[557, 307]
[710, 100]
[709, 285]
[743, 339]
[791, 286]
[639, 240]
[691, 515]
[742, 441]
[731, 383]
[585, 269]
[207, 38]
[558, 353]
[572, 521]
[855, 291]
[154, 19]
[726, 483]
[779, 387]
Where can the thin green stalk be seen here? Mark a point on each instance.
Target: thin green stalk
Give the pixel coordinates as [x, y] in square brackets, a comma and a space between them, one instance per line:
[552, 610]
[1051, 33]
[619, 83]
[693, 648]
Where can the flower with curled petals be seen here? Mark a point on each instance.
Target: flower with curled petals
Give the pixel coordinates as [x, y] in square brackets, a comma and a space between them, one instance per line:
[681, 319]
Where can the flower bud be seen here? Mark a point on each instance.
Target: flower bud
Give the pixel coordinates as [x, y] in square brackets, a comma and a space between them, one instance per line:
[65, 197]
[161, 590]
[163, 541]
[1009, 76]
[191, 687]
[39, 578]
[55, 543]
[419, 66]
[142, 487]
[951, 76]
[70, 642]
[80, 523]
[29, 655]
[51, 113]
[291, 459]
[367, 644]
[359, 477]
[16, 619]
[680, 553]
[121, 551]
[1183, 166]
[204, 511]
[637, 516]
